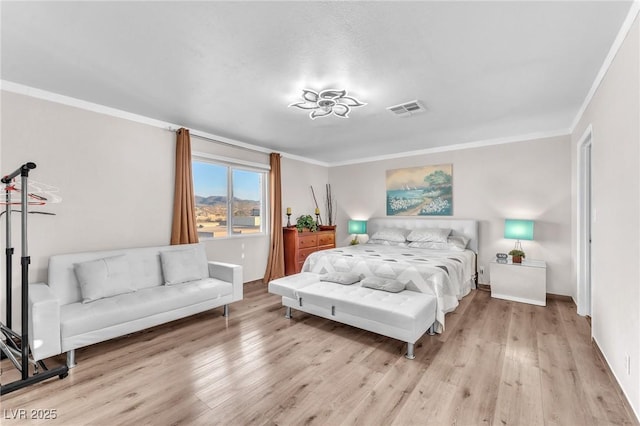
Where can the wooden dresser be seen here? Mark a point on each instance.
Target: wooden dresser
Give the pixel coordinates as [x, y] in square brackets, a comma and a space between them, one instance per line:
[299, 245]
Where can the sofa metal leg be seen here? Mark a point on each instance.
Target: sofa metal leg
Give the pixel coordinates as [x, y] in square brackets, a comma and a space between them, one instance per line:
[432, 329]
[225, 311]
[409, 354]
[287, 313]
[71, 358]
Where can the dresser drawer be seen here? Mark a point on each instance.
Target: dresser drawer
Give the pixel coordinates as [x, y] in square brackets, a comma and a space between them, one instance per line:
[307, 241]
[326, 240]
[304, 253]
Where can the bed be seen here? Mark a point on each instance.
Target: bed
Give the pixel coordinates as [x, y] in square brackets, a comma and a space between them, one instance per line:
[444, 271]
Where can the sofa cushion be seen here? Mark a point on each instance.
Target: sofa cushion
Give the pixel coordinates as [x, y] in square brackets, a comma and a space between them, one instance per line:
[179, 266]
[104, 277]
[79, 318]
[289, 285]
[395, 309]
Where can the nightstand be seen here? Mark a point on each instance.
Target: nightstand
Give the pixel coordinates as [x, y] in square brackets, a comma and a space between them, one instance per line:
[521, 282]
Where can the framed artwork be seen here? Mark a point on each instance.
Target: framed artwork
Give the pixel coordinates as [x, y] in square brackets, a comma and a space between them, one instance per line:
[420, 191]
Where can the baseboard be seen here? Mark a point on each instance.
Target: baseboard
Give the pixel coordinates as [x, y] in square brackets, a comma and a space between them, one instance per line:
[487, 287]
[619, 391]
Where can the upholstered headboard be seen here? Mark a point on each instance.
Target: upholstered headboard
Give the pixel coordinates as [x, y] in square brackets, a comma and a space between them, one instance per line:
[466, 227]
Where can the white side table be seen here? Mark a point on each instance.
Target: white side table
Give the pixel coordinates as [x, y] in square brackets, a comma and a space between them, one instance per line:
[521, 282]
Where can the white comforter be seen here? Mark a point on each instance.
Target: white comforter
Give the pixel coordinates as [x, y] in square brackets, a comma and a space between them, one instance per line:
[447, 275]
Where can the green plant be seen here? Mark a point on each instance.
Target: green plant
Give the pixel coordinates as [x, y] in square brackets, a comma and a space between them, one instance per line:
[517, 253]
[306, 221]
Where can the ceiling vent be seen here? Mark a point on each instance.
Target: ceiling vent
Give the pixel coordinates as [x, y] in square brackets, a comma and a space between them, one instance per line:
[406, 109]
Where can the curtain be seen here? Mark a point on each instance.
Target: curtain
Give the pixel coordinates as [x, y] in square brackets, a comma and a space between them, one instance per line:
[275, 264]
[183, 228]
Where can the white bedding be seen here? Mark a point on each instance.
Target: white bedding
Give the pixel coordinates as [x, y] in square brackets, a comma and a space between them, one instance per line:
[447, 275]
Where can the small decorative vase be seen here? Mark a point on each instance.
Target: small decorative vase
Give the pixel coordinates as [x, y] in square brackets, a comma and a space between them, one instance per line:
[516, 259]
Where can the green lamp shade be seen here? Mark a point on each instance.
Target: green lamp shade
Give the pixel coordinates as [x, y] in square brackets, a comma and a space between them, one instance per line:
[357, 226]
[518, 229]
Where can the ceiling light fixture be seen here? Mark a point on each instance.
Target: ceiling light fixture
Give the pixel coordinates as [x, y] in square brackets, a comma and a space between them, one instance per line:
[326, 102]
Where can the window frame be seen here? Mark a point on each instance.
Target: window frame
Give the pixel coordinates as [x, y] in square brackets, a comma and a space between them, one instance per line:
[232, 164]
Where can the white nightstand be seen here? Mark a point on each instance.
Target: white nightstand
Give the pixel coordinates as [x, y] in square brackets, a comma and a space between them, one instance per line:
[521, 282]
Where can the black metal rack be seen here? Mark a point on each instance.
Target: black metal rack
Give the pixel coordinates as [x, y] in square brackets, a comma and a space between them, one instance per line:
[16, 345]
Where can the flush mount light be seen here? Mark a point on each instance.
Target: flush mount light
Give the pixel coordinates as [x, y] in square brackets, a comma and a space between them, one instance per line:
[327, 102]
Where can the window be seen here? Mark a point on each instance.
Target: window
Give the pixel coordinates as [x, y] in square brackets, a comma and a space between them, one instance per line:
[229, 199]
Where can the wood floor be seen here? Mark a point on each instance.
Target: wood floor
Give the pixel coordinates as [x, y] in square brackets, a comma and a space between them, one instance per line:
[498, 362]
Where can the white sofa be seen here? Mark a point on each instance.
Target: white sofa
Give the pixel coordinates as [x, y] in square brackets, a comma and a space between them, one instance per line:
[405, 315]
[77, 306]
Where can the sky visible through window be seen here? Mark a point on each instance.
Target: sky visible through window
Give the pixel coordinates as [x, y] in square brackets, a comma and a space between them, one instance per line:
[211, 179]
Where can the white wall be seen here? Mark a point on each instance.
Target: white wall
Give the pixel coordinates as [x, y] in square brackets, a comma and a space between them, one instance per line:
[297, 179]
[614, 114]
[116, 180]
[520, 180]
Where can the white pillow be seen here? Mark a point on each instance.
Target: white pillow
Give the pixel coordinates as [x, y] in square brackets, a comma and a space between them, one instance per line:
[102, 278]
[386, 243]
[454, 243]
[180, 266]
[433, 245]
[346, 278]
[384, 284]
[438, 235]
[457, 242]
[391, 234]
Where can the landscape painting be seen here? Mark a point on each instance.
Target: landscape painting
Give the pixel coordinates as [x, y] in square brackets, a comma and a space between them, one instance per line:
[420, 191]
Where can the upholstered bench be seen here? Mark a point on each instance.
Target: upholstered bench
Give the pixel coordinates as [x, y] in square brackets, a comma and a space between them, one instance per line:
[405, 315]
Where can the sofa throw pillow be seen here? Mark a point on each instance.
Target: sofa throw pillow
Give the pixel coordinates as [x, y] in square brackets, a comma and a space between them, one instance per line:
[105, 277]
[438, 235]
[391, 234]
[384, 284]
[346, 278]
[181, 266]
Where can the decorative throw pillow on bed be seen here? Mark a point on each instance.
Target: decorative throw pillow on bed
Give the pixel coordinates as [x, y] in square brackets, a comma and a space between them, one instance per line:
[386, 243]
[346, 278]
[437, 235]
[384, 284]
[391, 234]
[102, 278]
[180, 266]
[429, 245]
[454, 243]
[457, 242]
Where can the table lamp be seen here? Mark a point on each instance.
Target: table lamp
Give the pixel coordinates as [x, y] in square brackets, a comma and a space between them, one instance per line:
[357, 227]
[518, 229]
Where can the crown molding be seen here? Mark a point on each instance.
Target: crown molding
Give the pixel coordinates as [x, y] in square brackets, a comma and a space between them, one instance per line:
[617, 43]
[457, 147]
[33, 92]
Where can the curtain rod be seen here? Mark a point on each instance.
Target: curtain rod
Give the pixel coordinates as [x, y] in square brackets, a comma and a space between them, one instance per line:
[226, 141]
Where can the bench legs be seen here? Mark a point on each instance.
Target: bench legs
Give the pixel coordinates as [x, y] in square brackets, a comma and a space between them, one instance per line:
[287, 313]
[225, 311]
[409, 354]
[71, 358]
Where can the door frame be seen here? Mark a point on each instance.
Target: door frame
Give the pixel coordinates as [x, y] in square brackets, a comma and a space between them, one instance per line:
[585, 220]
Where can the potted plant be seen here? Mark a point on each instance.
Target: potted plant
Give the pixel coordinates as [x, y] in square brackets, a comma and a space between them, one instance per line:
[517, 256]
[306, 222]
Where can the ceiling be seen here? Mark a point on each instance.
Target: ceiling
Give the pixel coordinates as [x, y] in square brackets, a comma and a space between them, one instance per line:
[483, 70]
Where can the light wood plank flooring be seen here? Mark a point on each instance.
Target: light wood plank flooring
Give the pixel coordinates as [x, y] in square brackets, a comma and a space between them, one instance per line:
[498, 362]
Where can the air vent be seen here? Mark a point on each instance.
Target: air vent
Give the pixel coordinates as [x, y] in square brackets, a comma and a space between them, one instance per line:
[406, 109]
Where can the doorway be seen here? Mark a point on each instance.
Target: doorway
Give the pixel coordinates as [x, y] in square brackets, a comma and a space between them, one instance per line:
[585, 219]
